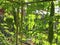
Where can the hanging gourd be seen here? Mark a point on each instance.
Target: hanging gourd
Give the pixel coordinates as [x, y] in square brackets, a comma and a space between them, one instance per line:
[50, 32]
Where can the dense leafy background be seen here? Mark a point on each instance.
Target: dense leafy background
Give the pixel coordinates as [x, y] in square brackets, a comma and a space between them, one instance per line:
[35, 22]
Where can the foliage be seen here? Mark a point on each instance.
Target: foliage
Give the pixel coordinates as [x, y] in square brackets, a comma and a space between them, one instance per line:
[27, 20]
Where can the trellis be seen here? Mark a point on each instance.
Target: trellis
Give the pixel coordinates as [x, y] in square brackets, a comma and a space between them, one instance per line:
[21, 24]
[22, 3]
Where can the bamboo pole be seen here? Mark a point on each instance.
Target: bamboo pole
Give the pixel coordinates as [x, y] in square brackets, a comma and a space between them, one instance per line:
[16, 20]
[21, 24]
[17, 25]
[33, 2]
